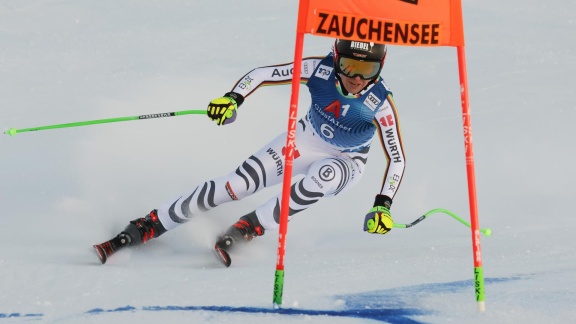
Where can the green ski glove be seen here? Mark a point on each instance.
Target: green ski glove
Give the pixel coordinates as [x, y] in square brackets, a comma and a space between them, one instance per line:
[378, 220]
[223, 110]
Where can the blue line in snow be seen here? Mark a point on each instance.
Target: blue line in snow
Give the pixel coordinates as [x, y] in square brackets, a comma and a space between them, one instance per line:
[391, 305]
[18, 315]
[392, 315]
[394, 305]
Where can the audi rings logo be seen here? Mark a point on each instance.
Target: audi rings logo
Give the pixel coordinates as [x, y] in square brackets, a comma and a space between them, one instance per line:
[327, 173]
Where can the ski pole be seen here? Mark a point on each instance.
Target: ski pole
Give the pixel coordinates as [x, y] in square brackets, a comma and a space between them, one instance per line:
[485, 231]
[14, 131]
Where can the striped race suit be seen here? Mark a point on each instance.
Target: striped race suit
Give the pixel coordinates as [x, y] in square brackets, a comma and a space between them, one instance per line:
[331, 150]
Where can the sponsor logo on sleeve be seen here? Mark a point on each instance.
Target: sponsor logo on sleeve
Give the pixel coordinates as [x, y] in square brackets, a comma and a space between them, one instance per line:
[392, 147]
[385, 106]
[387, 121]
[323, 71]
[393, 182]
[246, 83]
[282, 73]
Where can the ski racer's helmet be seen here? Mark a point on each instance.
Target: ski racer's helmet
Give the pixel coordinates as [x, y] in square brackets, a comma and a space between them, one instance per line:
[352, 58]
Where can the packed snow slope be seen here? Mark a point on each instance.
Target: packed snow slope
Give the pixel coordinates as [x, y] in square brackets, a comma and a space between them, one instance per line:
[63, 190]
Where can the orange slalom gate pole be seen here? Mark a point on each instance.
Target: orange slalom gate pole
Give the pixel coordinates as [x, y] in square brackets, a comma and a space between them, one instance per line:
[470, 173]
[289, 156]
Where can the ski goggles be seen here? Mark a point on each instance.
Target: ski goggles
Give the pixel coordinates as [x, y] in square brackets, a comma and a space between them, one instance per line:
[366, 70]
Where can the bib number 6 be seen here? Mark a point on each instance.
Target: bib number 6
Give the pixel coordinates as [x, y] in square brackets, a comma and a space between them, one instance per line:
[327, 131]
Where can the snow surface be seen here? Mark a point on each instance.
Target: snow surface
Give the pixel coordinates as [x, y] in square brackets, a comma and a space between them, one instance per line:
[63, 190]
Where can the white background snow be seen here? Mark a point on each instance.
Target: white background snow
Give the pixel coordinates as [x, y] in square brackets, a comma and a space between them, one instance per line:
[63, 190]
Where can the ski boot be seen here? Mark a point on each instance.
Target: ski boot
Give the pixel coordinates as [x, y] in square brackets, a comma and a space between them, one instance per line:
[139, 231]
[243, 231]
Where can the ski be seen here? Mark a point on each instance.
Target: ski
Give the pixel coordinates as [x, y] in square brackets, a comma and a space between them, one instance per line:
[222, 255]
[106, 249]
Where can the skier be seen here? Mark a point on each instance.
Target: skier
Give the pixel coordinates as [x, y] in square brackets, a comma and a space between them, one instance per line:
[350, 105]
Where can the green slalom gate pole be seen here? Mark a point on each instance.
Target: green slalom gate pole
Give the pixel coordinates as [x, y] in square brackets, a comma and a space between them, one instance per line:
[478, 270]
[14, 131]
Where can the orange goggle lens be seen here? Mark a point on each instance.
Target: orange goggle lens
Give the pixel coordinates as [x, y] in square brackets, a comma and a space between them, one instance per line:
[366, 70]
